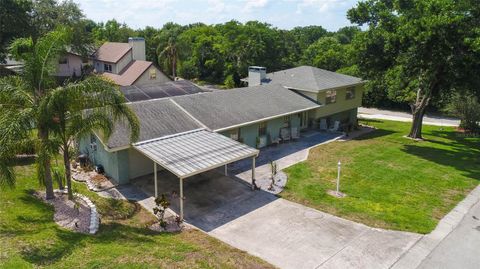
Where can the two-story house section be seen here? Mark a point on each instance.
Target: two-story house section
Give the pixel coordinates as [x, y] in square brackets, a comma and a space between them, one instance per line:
[125, 64]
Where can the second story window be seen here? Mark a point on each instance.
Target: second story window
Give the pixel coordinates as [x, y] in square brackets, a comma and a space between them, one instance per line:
[350, 93]
[331, 97]
[153, 74]
[107, 68]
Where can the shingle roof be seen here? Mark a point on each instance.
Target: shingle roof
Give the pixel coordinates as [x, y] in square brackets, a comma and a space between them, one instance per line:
[112, 51]
[311, 79]
[130, 73]
[159, 117]
[193, 152]
[223, 109]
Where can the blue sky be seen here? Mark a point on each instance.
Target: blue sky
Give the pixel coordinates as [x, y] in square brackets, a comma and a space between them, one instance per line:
[284, 14]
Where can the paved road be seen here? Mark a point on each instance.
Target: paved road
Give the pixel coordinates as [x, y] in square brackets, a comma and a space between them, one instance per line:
[373, 113]
[461, 248]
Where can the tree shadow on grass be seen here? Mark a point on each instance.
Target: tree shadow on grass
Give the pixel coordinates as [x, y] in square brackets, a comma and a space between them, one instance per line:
[460, 158]
[51, 250]
[374, 134]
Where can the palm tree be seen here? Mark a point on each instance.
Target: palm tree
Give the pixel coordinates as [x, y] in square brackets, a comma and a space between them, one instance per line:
[169, 46]
[21, 114]
[83, 107]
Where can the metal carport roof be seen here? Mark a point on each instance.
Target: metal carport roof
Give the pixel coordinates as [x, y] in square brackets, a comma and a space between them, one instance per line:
[193, 152]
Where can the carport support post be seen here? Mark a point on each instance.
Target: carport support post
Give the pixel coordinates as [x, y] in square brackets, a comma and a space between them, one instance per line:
[226, 170]
[181, 198]
[253, 174]
[155, 178]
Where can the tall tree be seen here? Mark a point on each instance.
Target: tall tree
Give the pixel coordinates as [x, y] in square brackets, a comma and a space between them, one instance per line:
[419, 48]
[105, 105]
[21, 110]
[14, 22]
[326, 53]
[169, 47]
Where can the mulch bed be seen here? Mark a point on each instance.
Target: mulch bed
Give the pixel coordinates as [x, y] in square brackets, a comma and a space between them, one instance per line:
[72, 215]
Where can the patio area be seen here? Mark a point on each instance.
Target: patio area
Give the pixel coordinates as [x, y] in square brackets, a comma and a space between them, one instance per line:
[284, 154]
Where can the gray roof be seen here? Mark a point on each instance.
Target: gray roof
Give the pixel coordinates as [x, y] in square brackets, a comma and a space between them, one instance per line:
[193, 152]
[310, 78]
[158, 117]
[136, 93]
[228, 108]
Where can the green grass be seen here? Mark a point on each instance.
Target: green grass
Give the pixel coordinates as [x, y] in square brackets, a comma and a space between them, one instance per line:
[392, 182]
[30, 239]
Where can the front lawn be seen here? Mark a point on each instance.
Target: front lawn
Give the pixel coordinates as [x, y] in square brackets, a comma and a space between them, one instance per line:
[29, 237]
[391, 182]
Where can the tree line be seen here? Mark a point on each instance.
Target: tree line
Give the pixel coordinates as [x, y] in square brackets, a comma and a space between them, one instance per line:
[417, 54]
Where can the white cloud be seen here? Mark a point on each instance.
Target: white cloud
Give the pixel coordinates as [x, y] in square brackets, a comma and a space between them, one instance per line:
[322, 6]
[254, 4]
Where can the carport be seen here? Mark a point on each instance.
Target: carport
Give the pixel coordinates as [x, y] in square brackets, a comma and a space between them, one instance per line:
[194, 152]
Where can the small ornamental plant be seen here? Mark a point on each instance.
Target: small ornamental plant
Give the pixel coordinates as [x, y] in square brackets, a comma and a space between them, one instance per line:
[159, 211]
[274, 169]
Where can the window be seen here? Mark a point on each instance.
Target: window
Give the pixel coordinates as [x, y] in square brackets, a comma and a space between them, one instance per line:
[84, 60]
[262, 129]
[331, 97]
[350, 93]
[153, 73]
[303, 119]
[286, 121]
[63, 60]
[107, 68]
[235, 134]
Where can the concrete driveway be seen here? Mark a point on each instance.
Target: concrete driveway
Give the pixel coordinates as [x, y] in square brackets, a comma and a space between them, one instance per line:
[281, 232]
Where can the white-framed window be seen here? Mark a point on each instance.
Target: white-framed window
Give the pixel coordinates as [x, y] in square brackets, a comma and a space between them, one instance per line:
[350, 93]
[235, 134]
[107, 68]
[153, 73]
[331, 97]
[262, 128]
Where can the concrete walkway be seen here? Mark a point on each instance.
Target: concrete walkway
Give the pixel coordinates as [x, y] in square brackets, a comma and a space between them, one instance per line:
[454, 241]
[374, 113]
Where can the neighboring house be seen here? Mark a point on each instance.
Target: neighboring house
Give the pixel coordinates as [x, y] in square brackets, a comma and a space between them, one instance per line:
[10, 67]
[125, 64]
[256, 116]
[72, 64]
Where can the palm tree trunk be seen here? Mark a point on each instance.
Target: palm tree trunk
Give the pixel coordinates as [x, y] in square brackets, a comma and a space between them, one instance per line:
[68, 177]
[45, 163]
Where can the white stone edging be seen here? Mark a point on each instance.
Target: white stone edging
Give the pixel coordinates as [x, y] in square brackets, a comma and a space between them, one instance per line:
[94, 217]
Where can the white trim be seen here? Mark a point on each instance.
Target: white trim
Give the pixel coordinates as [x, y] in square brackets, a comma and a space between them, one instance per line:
[265, 119]
[326, 89]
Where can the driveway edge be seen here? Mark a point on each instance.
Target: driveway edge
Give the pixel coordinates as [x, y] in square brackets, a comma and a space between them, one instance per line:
[418, 252]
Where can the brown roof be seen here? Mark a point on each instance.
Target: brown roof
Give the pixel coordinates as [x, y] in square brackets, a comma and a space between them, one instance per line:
[130, 73]
[112, 51]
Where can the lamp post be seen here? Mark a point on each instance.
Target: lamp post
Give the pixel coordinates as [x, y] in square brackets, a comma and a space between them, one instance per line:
[338, 177]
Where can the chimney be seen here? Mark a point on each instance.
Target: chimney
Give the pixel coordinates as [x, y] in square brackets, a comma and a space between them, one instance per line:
[256, 74]
[138, 47]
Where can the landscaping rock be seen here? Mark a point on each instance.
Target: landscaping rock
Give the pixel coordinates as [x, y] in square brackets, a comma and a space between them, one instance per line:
[265, 183]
